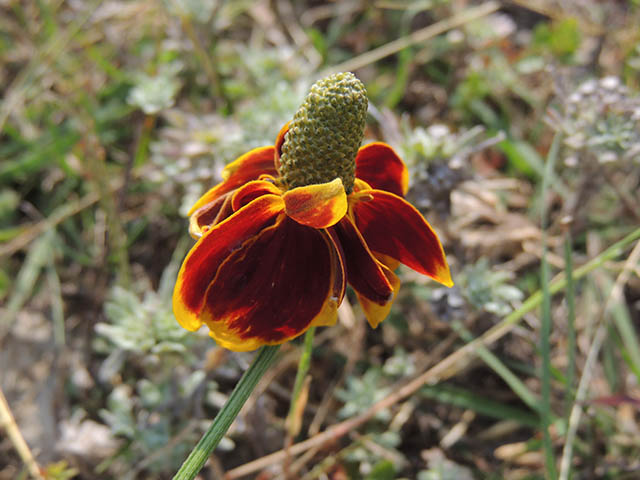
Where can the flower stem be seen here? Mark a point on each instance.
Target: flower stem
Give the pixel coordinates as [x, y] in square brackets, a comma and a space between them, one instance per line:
[198, 456]
[303, 368]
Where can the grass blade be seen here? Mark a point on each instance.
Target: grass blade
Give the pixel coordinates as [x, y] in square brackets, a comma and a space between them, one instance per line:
[485, 406]
[517, 385]
[546, 325]
[571, 324]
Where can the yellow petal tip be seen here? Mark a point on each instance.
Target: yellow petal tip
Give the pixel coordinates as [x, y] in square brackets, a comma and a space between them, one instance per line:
[319, 205]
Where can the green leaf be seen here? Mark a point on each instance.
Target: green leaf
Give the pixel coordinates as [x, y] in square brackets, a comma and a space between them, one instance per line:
[523, 157]
[383, 470]
[463, 398]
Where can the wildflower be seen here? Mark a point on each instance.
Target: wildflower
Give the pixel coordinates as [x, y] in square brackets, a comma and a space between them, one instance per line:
[291, 224]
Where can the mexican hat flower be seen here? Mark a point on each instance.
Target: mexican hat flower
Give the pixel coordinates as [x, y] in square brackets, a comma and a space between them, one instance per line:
[291, 224]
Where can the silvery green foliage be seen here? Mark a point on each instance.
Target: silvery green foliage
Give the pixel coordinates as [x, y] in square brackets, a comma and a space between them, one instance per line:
[197, 10]
[361, 392]
[141, 325]
[487, 289]
[600, 120]
[399, 365]
[437, 142]
[436, 158]
[367, 459]
[141, 334]
[154, 93]
[139, 415]
[119, 412]
[441, 468]
[426, 144]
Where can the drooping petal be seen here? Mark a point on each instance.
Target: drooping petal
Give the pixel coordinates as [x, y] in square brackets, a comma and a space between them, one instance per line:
[273, 289]
[242, 170]
[319, 205]
[379, 165]
[375, 312]
[387, 261]
[203, 261]
[329, 314]
[210, 214]
[392, 226]
[370, 279]
[251, 191]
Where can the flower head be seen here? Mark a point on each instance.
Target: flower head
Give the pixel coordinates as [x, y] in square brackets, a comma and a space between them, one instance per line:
[291, 224]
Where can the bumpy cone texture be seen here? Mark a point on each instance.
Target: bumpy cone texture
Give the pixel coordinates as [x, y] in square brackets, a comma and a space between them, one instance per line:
[326, 133]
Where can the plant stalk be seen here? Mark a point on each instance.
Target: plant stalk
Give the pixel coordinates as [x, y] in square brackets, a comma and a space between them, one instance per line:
[209, 441]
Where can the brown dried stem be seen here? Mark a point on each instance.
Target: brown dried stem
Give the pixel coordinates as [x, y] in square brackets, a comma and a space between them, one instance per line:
[8, 423]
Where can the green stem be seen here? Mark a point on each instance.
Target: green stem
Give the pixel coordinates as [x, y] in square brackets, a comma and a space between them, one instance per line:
[303, 368]
[546, 325]
[198, 456]
[571, 320]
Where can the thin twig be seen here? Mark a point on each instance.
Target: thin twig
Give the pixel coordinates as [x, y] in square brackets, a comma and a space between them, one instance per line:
[8, 422]
[592, 356]
[418, 36]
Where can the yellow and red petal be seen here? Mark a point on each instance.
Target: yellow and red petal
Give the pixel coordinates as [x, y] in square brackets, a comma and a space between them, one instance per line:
[274, 288]
[381, 167]
[365, 274]
[387, 261]
[248, 167]
[252, 190]
[359, 185]
[374, 311]
[391, 226]
[329, 313]
[209, 215]
[278, 146]
[319, 205]
[203, 261]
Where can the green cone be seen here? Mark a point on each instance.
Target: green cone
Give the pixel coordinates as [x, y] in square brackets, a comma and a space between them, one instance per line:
[326, 133]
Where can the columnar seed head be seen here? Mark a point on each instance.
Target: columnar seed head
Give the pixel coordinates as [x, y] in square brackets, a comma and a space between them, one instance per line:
[325, 133]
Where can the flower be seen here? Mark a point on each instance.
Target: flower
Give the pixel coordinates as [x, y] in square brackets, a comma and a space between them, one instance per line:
[291, 224]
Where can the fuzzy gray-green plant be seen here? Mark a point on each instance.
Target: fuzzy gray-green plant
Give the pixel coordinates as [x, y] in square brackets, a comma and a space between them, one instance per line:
[600, 121]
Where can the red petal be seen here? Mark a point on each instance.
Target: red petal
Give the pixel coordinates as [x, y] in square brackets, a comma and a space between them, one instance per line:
[340, 283]
[379, 165]
[274, 288]
[392, 226]
[203, 261]
[364, 272]
[242, 170]
[251, 191]
[209, 215]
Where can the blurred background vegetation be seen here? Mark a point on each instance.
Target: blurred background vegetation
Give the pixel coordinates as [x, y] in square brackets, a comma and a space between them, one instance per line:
[520, 123]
